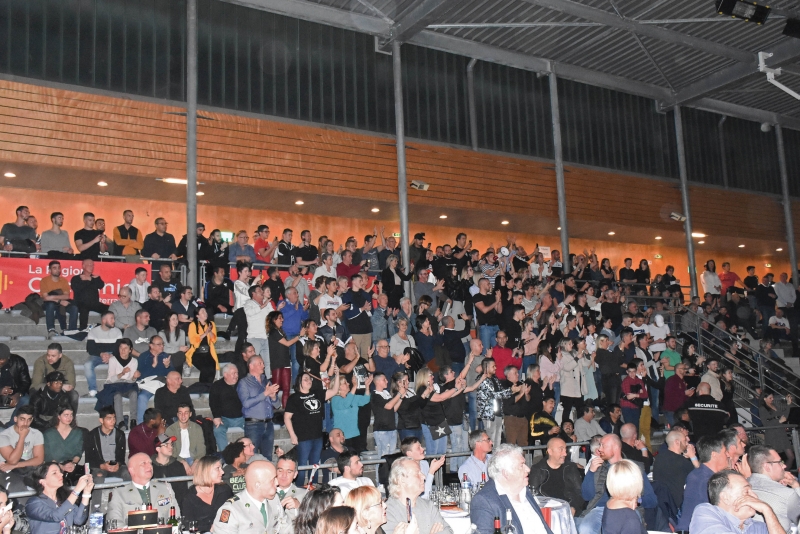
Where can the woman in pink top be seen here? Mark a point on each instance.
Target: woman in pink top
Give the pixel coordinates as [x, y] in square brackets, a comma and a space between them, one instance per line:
[550, 367]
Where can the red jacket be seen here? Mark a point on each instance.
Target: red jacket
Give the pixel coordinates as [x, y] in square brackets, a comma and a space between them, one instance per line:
[674, 393]
[626, 388]
[503, 358]
[142, 439]
[347, 270]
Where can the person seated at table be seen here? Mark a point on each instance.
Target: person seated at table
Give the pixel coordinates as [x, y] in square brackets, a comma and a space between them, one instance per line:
[507, 489]
[207, 494]
[624, 484]
[406, 484]
[474, 467]
[555, 476]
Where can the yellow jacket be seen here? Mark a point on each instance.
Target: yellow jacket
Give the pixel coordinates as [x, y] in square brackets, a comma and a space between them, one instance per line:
[194, 341]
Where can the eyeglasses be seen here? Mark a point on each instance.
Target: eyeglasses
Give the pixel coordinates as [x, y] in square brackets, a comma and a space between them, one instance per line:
[487, 439]
[776, 462]
[382, 502]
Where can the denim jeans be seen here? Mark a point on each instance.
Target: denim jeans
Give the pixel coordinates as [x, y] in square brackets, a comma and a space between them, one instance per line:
[308, 453]
[408, 432]
[631, 415]
[51, 311]
[557, 392]
[261, 346]
[592, 521]
[141, 405]
[295, 366]
[385, 441]
[472, 410]
[434, 446]
[457, 367]
[91, 376]
[670, 416]
[526, 361]
[487, 334]
[221, 431]
[653, 392]
[262, 434]
[458, 443]
[494, 429]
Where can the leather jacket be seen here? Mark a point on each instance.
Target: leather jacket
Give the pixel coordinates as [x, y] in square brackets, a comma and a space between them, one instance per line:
[540, 474]
[18, 368]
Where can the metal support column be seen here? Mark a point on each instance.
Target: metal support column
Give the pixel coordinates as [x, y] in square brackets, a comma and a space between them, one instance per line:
[402, 187]
[473, 114]
[560, 187]
[687, 225]
[191, 142]
[787, 204]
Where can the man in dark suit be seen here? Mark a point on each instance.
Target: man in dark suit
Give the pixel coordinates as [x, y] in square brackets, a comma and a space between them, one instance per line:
[508, 482]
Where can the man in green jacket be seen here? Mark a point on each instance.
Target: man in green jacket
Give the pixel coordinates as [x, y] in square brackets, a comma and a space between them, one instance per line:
[54, 360]
[189, 444]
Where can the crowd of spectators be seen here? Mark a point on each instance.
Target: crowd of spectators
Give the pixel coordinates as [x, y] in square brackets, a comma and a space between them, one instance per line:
[330, 341]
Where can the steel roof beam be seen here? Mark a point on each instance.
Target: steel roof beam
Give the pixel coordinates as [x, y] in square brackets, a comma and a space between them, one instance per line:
[654, 32]
[783, 53]
[423, 13]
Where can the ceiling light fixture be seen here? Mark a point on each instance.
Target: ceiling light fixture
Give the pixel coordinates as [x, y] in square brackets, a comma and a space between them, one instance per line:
[748, 11]
[199, 193]
[10, 175]
[176, 181]
[700, 242]
[741, 246]
[698, 234]
[658, 238]
[504, 222]
[559, 228]
[611, 233]
[102, 184]
[375, 210]
[299, 202]
[442, 216]
[778, 250]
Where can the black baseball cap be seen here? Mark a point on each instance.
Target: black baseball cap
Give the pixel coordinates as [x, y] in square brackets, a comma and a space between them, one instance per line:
[420, 235]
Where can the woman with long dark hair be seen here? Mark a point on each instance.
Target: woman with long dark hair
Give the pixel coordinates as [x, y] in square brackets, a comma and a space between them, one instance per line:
[63, 443]
[175, 342]
[642, 275]
[774, 412]
[202, 353]
[280, 355]
[54, 507]
[550, 369]
[409, 420]
[313, 504]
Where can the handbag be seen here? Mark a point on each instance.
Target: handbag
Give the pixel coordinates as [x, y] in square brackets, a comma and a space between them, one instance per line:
[202, 349]
[440, 431]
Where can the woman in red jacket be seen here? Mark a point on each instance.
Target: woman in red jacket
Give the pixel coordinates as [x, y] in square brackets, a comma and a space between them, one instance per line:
[634, 393]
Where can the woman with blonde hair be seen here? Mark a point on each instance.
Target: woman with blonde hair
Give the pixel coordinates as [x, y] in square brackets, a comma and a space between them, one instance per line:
[433, 414]
[625, 485]
[208, 493]
[371, 512]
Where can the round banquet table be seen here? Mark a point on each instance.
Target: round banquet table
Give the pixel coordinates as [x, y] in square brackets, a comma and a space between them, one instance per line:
[561, 521]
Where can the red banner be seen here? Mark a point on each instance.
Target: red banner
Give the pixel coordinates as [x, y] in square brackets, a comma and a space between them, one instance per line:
[20, 277]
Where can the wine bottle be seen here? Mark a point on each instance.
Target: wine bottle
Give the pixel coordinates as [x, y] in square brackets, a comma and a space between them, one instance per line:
[497, 525]
[509, 527]
[173, 520]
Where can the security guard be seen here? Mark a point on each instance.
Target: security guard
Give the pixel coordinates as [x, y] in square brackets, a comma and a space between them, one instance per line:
[141, 490]
[254, 510]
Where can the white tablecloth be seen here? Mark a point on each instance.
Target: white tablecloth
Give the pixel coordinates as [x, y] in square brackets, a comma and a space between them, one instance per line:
[561, 521]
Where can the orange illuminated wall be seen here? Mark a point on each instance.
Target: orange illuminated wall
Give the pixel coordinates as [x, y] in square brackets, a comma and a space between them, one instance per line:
[337, 228]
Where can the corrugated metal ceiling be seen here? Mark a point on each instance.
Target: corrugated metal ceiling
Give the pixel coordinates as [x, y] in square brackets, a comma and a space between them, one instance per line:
[617, 51]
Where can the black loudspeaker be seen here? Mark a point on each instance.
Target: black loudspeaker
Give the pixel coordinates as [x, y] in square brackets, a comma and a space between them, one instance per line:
[792, 28]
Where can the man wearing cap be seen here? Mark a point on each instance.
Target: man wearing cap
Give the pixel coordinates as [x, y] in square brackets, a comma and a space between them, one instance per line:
[54, 360]
[48, 401]
[166, 466]
[264, 249]
[416, 250]
[204, 249]
[15, 382]
[254, 510]
[141, 490]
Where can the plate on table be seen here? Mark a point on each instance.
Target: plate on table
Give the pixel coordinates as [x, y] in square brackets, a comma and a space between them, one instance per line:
[452, 511]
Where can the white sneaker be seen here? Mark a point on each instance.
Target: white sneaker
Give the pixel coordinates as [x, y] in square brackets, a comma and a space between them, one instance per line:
[92, 393]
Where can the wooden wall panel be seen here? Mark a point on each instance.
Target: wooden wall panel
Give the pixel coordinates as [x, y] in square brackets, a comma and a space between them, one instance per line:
[61, 128]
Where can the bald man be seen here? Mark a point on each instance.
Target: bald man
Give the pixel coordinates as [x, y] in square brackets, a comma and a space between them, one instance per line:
[633, 448]
[555, 476]
[706, 413]
[141, 490]
[254, 510]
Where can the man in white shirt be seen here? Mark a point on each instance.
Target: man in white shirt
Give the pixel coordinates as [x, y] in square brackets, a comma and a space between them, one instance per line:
[140, 287]
[779, 326]
[100, 344]
[508, 485]
[586, 426]
[331, 298]
[351, 468]
[256, 309]
[326, 269]
[21, 446]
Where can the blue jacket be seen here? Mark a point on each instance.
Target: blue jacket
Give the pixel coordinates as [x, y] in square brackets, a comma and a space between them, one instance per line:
[488, 504]
[695, 493]
[292, 317]
[254, 404]
[45, 516]
[146, 365]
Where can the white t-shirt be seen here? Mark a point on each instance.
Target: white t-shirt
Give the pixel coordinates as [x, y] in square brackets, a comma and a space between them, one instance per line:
[323, 271]
[346, 485]
[10, 438]
[780, 321]
[327, 302]
[185, 444]
[139, 292]
[658, 332]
